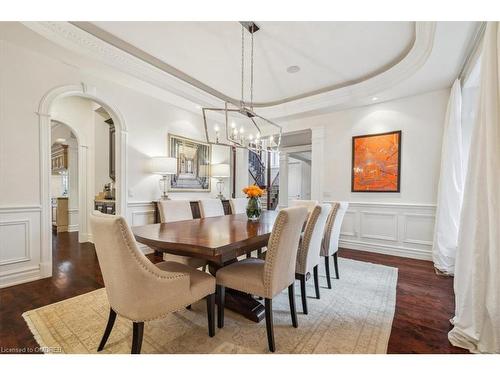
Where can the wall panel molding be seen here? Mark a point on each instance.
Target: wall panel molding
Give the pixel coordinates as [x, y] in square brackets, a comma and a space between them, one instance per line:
[400, 229]
[19, 244]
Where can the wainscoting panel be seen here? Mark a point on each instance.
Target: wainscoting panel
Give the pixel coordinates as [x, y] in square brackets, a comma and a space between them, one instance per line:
[389, 228]
[141, 213]
[73, 214]
[19, 244]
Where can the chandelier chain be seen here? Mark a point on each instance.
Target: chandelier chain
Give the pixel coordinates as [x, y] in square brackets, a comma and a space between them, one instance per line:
[251, 77]
[242, 65]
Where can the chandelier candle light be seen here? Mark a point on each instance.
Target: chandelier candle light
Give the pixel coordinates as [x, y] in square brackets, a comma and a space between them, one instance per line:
[243, 127]
[164, 166]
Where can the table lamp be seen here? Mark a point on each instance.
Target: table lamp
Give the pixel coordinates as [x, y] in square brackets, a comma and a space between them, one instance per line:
[220, 171]
[164, 166]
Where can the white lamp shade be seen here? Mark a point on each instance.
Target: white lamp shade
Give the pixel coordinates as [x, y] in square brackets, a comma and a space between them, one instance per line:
[220, 170]
[163, 165]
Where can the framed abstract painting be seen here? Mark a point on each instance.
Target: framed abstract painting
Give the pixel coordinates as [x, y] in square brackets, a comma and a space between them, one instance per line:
[376, 163]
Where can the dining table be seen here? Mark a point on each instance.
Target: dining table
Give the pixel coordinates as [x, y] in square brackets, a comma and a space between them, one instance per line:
[221, 241]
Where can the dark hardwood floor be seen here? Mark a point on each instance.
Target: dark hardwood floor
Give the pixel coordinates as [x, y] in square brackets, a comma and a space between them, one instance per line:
[423, 306]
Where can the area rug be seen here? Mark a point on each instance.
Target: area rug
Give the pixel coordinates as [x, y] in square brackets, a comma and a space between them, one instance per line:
[355, 316]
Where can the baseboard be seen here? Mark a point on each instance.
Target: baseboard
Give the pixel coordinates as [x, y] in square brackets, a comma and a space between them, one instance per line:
[400, 251]
[73, 228]
[20, 276]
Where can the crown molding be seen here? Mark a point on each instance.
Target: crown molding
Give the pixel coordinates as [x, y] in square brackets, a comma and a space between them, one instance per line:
[77, 40]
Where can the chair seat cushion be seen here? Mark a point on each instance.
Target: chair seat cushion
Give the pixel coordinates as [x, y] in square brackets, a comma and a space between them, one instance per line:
[246, 276]
[188, 261]
[201, 283]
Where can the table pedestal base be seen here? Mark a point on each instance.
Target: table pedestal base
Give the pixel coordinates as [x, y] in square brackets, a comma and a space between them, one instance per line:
[244, 304]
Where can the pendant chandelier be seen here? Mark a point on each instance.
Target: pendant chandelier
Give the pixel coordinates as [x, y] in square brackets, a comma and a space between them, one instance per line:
[238, 125]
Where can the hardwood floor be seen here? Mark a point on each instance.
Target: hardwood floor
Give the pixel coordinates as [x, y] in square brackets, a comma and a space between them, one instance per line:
[423, 306]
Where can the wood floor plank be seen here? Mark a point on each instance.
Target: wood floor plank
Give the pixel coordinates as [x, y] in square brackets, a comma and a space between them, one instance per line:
[424, 301]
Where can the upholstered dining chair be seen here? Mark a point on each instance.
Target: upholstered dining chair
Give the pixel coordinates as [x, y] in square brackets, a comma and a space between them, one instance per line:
[308, 256]
[238, 205]
[138, 289]
[178, 210]
[267, 278]
[330, 245]
[211, 207]
[309, 204]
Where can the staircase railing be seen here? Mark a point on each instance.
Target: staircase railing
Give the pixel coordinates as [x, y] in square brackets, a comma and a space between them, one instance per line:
[273, 193]
[257, 169]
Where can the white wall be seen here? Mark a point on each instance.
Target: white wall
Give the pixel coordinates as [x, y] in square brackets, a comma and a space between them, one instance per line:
[27, 76]
[395, 223]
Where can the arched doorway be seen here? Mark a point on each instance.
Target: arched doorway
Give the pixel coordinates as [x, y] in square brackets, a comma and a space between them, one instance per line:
[44, 113]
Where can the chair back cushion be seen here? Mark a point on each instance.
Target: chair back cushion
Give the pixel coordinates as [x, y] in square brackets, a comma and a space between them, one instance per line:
[238, 205]
[279, 269]
[310, 248]
[174, 210]
[132, 282]
[211, 207]
[332, 232]
[309, 204]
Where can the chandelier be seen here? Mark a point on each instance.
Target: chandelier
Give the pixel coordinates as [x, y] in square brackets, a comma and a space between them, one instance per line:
[238, 125]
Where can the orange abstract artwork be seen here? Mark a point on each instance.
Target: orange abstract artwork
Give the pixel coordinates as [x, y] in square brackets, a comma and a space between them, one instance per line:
[376, 162]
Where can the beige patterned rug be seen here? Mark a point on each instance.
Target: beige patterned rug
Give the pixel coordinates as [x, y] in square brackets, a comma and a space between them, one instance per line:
[355, 316]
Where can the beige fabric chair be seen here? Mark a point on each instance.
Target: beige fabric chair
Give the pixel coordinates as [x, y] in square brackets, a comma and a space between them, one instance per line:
[330, 245]
[267, 278]
[139, 290]
[211, 207]
[308, 256]
[238, 205]
[178, 210]
[309, 204]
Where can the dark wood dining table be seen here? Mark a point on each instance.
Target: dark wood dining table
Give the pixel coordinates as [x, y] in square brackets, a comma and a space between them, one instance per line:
[220, 240]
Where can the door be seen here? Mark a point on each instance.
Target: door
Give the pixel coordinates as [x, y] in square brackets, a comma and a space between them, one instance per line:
[294, 181]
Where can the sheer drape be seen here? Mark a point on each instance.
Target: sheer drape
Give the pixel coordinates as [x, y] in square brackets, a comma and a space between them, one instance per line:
[451, 185]
[477, 268]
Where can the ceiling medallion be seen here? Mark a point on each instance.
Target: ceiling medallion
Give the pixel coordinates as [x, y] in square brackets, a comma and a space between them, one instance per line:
[242, 127]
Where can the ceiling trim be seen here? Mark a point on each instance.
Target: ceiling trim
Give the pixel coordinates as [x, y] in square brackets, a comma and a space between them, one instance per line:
[82, 42]
[167, 68]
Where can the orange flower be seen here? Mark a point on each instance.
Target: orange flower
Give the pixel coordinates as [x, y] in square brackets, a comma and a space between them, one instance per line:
[253, 191]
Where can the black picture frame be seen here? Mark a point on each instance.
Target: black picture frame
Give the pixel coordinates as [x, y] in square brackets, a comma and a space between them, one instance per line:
[354, 138]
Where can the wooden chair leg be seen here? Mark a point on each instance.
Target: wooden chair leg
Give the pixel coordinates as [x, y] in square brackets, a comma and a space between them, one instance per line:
[303, 293]
[221, 291]
[138, 330]
[249, 255]
[269, 324]
[204, 268]
[211, 314]
[107, 331]
[316, 281]
[259, 253]
[291, 299]
[336, 265]
[327, 269]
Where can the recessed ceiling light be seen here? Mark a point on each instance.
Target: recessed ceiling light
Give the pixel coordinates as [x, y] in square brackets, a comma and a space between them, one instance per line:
[374, 98]
[293, 69]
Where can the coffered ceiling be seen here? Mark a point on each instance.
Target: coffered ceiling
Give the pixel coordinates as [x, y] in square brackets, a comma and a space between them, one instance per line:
[329, 55]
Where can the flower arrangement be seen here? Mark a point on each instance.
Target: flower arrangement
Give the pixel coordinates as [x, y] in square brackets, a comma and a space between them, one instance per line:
[254, 207]
[253, 191]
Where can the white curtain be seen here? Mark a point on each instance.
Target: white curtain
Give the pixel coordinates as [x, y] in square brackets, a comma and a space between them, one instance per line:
[451, 186]
[477, 269]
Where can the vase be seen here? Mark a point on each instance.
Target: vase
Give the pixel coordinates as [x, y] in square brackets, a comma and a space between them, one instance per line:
[254, 208]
